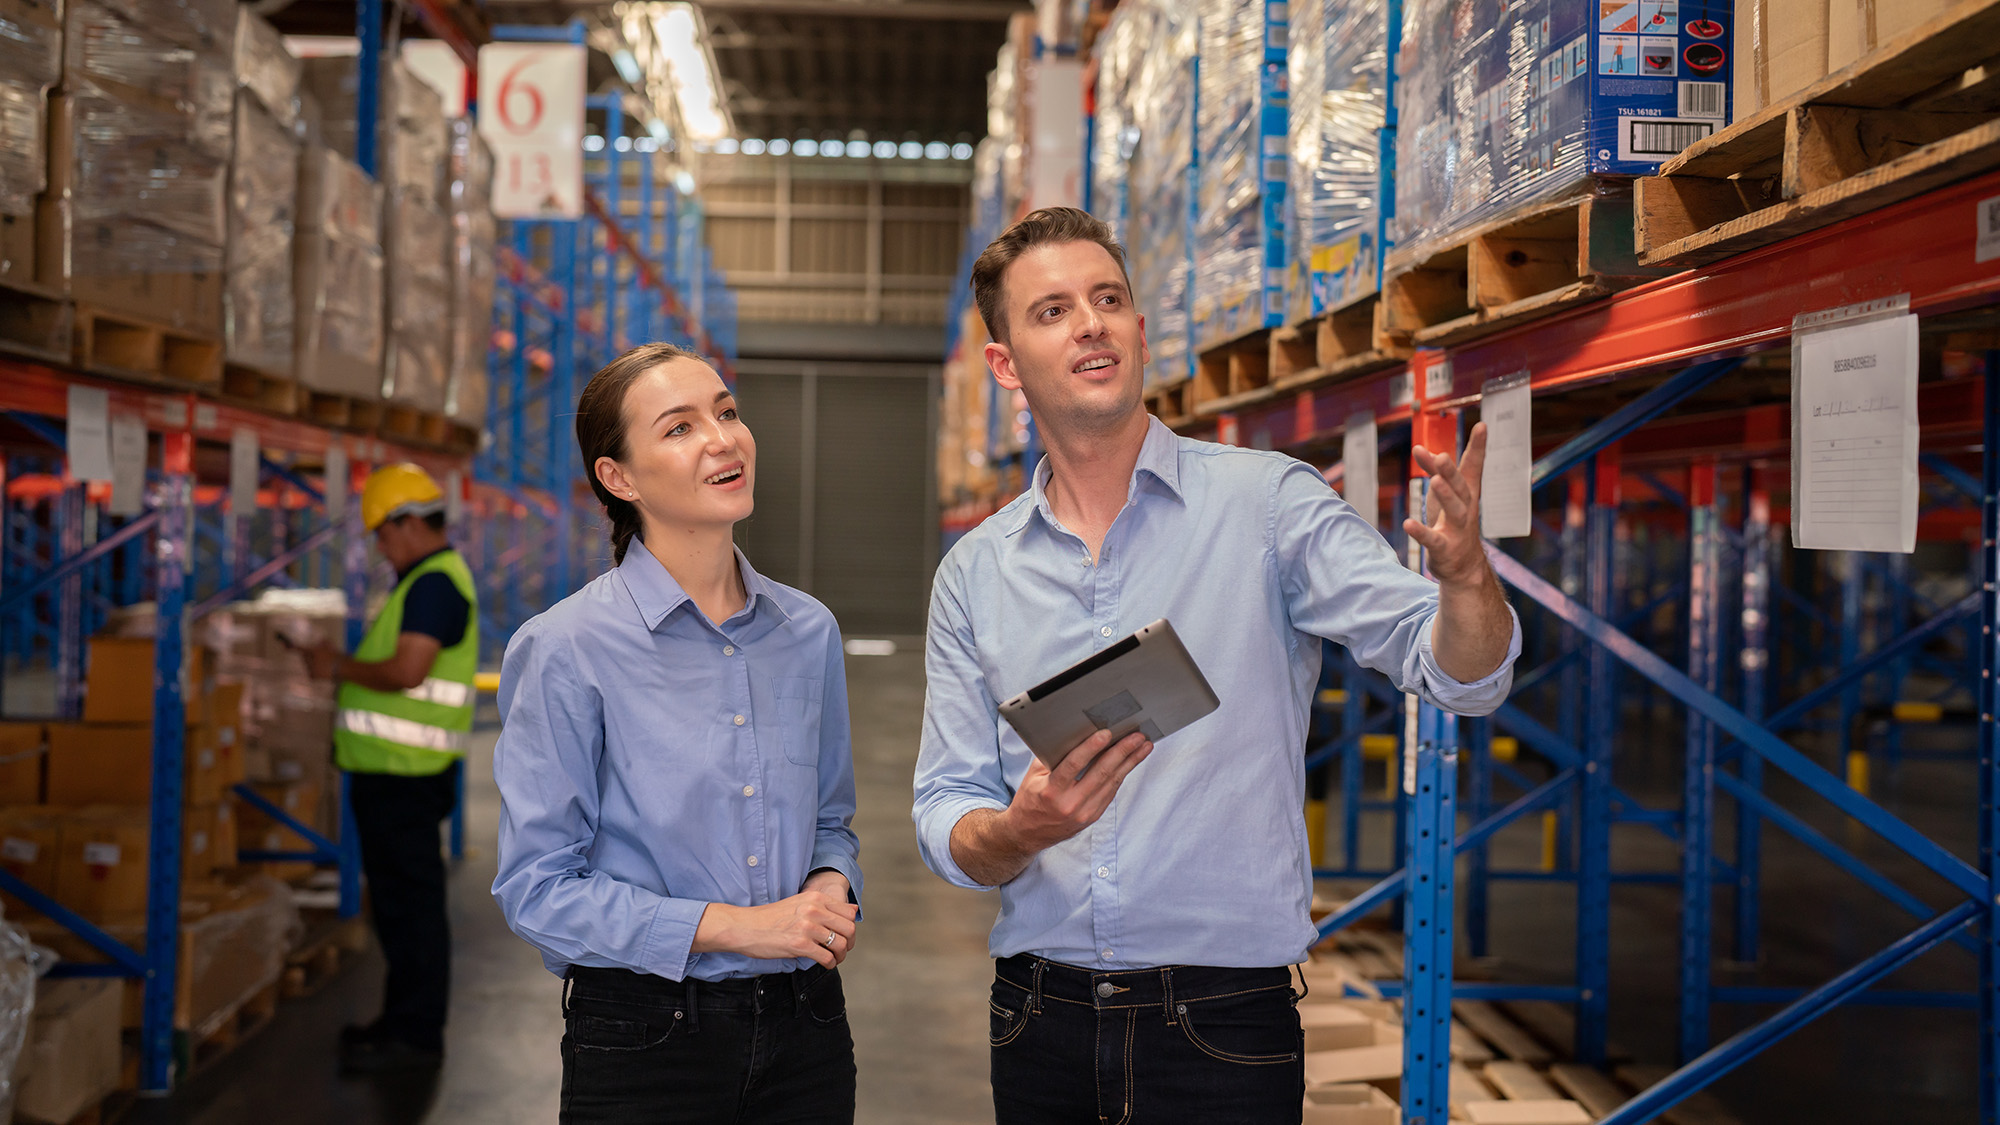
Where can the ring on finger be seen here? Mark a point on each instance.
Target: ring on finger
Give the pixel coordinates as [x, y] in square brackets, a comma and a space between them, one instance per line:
[829, 939]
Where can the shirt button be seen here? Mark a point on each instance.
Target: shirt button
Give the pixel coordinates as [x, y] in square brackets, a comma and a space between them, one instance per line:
[729, 650]
[1104, 873]
[1108, 955]
[749, 790]
[1104, 631]
[1105, 988]
[753, 861]
[739, 720]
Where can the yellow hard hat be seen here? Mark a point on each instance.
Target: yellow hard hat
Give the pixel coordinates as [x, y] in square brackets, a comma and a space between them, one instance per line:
[396, 490]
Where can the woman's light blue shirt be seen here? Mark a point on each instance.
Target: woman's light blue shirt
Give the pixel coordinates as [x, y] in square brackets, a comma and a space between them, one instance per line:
[651, 762]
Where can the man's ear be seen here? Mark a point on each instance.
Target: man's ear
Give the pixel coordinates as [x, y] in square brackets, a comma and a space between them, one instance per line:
[1000, 361]
[1145, 349]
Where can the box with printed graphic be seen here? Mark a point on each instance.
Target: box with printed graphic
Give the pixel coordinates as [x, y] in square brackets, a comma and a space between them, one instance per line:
[1502, 106]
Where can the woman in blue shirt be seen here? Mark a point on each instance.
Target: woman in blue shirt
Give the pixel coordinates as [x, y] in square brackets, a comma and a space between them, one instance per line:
[678, 785]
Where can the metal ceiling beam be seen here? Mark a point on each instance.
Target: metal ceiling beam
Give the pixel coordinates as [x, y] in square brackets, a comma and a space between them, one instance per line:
[975, 10]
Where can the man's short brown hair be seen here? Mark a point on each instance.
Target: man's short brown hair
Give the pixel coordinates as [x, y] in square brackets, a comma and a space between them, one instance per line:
[1041, 228]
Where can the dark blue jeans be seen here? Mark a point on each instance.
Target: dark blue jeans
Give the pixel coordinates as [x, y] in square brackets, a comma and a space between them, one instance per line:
[642, 1049]
[1185, 1043]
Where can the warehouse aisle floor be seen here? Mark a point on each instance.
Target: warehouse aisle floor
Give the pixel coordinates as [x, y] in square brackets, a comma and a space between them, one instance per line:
[916, 984]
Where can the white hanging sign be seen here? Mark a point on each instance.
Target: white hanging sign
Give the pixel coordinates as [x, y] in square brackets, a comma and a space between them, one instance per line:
[1854, 428]
[1505, 484]
[531, 101]
[128, 465]
[1359, 485]
[87, 436]
[243, 465]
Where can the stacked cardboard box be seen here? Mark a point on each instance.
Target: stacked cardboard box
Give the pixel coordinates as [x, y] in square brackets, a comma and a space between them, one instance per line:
[263, 201]
[134, 217]
[1239, 237]
[474, 242]
[72, 1058]
[1791, 44]
[30, 63]
[337, 277]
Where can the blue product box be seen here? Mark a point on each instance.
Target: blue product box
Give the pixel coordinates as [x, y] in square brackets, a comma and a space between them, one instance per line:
[1338, 61]
[1241, 158]
[1503, 105]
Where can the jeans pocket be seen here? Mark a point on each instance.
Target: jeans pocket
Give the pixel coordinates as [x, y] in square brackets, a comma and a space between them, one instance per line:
[586, 1031]
[825, 1000]
[1258, 1029]
[1004, 1025]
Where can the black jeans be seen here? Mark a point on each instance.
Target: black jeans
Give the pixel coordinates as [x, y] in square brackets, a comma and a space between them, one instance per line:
[402, 857]
[644, 1050]
[1185, 1043]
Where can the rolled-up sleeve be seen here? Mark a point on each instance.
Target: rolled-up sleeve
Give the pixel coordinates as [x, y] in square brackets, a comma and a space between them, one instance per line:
[958, 762]
[1342, 581]
[834, 843]
[546, 761]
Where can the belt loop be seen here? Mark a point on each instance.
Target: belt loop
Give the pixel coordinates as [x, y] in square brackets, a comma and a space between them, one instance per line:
[1035, 996]
[569, 982]
[694, 1007]
[1304, 989]
[1167, 990]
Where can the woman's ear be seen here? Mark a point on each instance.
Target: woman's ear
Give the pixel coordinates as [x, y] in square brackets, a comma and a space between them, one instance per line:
[612, 476]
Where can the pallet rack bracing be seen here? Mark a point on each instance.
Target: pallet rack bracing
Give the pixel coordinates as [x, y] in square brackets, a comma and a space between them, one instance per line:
[1651, 339]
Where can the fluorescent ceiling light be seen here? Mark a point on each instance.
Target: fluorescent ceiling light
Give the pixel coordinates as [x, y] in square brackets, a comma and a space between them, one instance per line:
[678, 34]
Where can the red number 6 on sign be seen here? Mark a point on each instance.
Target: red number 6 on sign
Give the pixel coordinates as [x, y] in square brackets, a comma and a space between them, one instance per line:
[509, 90]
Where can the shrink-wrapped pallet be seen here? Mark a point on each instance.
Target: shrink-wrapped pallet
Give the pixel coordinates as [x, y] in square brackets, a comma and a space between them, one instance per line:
[337, 277]
[259, 312]
[1162, 180]
[474, 244]
[30, 63]
[412, 144]
[1240, 184]
[418, 279]
[1337, 60]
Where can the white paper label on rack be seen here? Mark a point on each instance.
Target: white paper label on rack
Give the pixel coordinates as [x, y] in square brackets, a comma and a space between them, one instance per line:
[336, 482]
[1505, 484]
[243, 457]
[1402, 388]
[1854, 429]
[88, 435]
[16, 850]
[1359, 485]
[101, 855]
[1437, 379]
[207, 417]
[1986, 225]
[128, 465]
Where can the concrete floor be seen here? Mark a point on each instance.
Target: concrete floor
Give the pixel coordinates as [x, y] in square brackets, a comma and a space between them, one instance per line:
[917, 980]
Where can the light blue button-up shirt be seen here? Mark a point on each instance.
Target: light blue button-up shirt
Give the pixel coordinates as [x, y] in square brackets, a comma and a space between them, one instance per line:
[1201, 859]
[651, 762]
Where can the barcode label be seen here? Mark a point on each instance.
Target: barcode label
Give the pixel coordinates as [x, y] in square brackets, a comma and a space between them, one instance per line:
[1986, 241]
[17, 850]
[1703, 99]
[1656, 138]
[100, 855]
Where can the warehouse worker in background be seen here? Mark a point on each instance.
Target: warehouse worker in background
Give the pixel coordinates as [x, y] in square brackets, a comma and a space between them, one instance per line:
[1146, 932]
[406, 700]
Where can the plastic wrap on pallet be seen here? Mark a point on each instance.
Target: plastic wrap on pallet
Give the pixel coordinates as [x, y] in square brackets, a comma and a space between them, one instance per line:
[1162, 180]
[1338, 62]
[17, 1007]
[148, 188]
[30, 63]
[337, 277]
[418, 238]
[1240, 188]
[1504, 107]
[413, 145]
[237, 947]
[474, 246]
[1005, 127]
[207, 25]
[1115, 136]
[258, 309]
[152, 59]
[266, 68]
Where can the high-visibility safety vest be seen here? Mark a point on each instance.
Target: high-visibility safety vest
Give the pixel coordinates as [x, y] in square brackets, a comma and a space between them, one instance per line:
[421, 731]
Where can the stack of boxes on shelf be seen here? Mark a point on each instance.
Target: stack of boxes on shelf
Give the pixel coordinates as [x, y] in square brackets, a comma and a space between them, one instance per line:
[474, 250]
[1239, 238]
[30, 63]
[1338, 60]
[1787, 45]
[259, 312]
[418, 235]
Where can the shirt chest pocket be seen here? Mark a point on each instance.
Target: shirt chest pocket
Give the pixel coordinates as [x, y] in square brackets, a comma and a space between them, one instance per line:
[798, 699]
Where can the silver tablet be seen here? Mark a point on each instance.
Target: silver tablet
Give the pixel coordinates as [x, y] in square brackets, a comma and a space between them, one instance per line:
[1146, 683]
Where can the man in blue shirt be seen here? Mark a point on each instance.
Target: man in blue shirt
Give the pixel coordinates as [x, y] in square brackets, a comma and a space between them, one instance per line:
[1153, 898]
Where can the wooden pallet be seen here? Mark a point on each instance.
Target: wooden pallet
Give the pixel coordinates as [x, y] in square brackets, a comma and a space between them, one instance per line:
[133, 348]
[408, 424]
[1338, 344]
[35, 322]
[340, 411]
[1169, 402]
[1917, 113]
[263, 390]
[1231, 374]
[330, 945]
[221, 1033]
[1521, 267]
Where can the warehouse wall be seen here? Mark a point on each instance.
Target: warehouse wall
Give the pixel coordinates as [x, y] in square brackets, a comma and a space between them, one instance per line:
[844, 486]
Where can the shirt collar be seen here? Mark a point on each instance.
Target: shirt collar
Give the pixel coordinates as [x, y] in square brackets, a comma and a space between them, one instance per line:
[656, 594]
[1159, 458]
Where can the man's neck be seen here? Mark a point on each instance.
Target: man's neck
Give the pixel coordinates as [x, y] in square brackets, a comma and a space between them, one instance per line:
[703, 562]
[1090, 475]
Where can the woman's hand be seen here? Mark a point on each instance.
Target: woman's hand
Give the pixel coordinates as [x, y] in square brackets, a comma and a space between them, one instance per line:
[798, 926]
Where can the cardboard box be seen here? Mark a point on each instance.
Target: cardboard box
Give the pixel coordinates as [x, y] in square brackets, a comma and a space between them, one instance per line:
[1537, 1112]
[1335, 1027]
[257, 831]
[72, 1059]
[118, 680]
[100, 763]
[30, 844]
[101, 868]
[24, 752]
[1349, 1104]
[1786, 51]
[1355, 1064]
[1855, 28]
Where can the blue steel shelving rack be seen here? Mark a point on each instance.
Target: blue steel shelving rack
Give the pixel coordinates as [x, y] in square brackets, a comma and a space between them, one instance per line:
[1922, 248]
